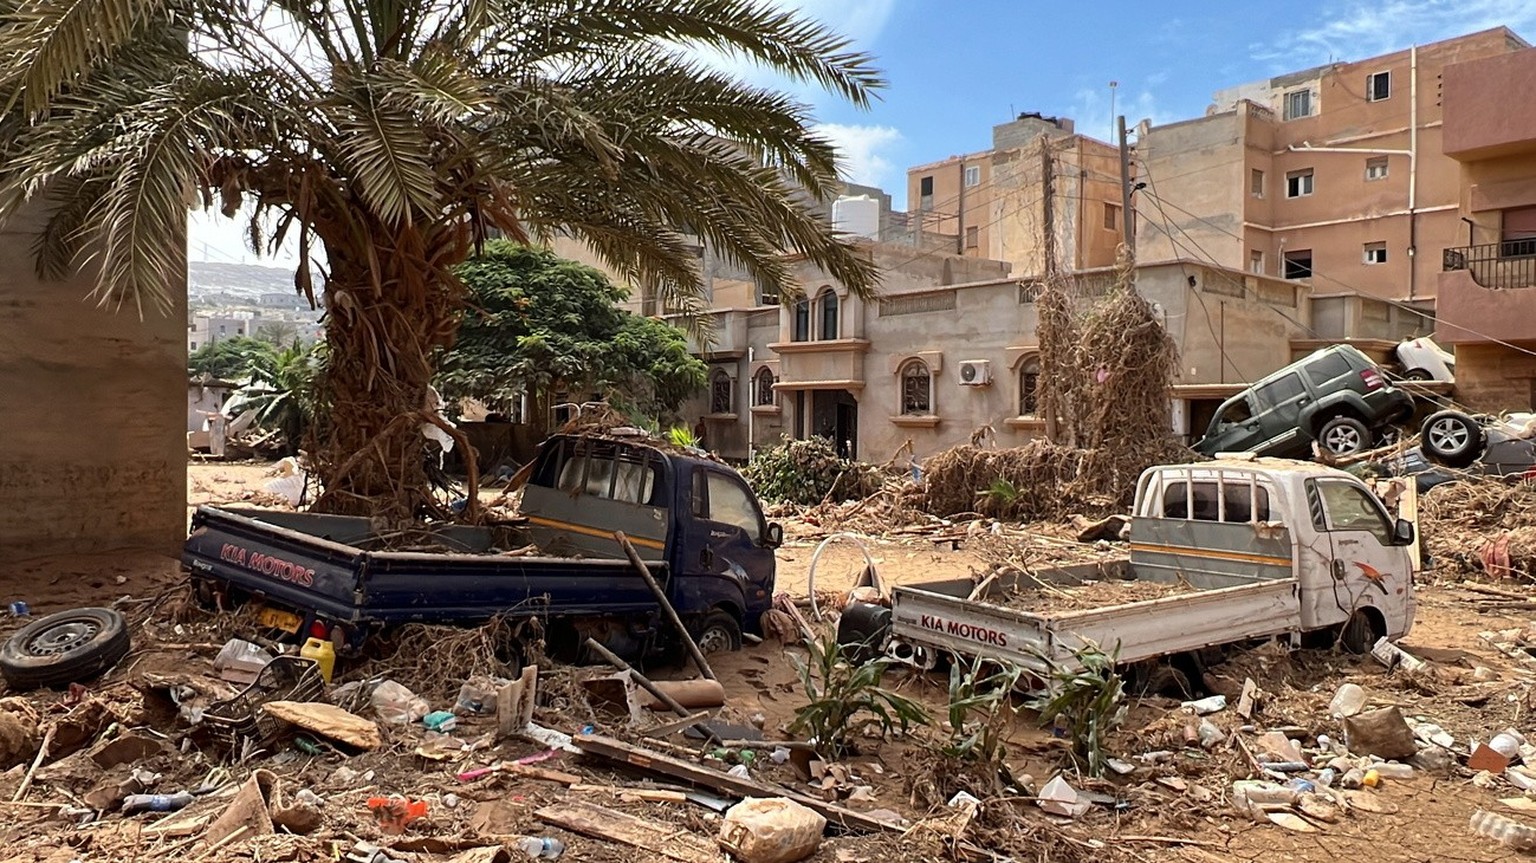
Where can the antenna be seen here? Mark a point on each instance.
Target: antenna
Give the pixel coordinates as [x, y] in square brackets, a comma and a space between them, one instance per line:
[1113, 86]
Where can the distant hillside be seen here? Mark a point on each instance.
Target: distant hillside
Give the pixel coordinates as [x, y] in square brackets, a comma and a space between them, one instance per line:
[246, 280]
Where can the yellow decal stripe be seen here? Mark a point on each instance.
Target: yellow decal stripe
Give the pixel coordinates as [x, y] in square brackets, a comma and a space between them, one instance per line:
[592, 531]
[1213, 554]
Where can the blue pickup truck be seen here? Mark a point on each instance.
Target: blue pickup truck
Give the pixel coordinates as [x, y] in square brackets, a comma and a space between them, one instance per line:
[695, 521]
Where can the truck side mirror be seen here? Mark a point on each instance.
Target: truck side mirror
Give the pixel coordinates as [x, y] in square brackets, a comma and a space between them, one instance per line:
[1402, 532]
[774, 536]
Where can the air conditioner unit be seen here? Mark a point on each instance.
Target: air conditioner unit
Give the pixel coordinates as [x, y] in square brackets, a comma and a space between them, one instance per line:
[975, 373]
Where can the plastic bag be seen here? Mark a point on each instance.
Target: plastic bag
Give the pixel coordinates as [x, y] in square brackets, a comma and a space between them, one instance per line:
[478, 695]
[397, 705]
[771, 830]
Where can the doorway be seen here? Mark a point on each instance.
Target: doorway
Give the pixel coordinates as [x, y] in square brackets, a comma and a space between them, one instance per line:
[835, 416]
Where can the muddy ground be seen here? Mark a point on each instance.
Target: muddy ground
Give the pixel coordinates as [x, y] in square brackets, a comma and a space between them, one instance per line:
[1173, 810]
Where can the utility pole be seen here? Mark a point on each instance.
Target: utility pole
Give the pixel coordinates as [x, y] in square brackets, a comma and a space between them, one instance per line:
[960, 231]
[1127, 215]
[1048, 218]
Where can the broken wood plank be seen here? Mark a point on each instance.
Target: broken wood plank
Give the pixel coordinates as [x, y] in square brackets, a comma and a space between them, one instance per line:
[544, 774]
[327, 720]
[667, 729]
[1246, 699]
[668, 840]
[528, 696]
[697, 774]
[648, 795]
[666, 604]
[508, 708]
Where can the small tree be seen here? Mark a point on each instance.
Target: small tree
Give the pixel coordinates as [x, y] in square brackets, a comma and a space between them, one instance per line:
[537, 322]
[233, 359]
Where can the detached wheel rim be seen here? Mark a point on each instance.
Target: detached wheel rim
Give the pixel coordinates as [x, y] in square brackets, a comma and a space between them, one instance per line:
[1342, 440]
[62, 638]
[1449, 435]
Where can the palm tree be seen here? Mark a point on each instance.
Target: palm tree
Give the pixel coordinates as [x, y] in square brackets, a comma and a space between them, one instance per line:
[395, 136]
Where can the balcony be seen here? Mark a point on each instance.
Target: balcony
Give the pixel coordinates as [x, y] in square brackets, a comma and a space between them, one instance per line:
[1509, 264]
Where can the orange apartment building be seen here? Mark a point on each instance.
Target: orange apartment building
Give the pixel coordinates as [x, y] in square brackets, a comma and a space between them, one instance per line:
[1486, 303]
[1335, 175]
[993, 205]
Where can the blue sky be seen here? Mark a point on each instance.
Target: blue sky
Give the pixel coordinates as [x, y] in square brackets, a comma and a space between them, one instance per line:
[957, 67]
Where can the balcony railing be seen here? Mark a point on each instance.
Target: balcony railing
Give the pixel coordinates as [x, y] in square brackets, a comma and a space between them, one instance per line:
[1510, 264]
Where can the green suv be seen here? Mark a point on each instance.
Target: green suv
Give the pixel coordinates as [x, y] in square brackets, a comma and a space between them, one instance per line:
[1336, 396]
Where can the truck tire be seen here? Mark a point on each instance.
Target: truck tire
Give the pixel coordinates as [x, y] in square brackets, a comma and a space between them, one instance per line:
[1344, 435]
[862, 631]
[718, 632]
[1417, 375]
[1452, 438]
[1359, 633]
[64, 648]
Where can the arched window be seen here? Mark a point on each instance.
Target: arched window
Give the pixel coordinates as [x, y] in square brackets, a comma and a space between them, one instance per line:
[763, 382]
[1029, 387]
[802, 330]
[720, 400]
[827, 302]
[916, 388]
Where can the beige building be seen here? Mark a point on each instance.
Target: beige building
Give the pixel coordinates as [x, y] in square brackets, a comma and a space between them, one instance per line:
[1335, 175]
[1487, 291]
[994, 203]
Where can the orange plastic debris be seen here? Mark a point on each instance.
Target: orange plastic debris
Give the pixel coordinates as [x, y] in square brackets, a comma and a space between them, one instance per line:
[394, 812]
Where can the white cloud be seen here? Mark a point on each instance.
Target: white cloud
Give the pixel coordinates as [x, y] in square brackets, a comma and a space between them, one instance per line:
[860, 151]
[1353, 30]
[1096, 118]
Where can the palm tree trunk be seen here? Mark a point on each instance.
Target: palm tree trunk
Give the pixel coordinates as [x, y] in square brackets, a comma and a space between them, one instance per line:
[376, 391]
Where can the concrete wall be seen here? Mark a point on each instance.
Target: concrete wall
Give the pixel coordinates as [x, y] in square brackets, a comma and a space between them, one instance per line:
[90, 412]
[1085, 201]
[1479, 122]
[1197, 171]
[1496, 378]
[954, 207]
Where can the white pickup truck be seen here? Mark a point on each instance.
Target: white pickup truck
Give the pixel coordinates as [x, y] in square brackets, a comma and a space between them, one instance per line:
[1230, 550]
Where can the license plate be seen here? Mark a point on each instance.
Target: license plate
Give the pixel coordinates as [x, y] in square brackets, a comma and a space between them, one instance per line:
[276, 619]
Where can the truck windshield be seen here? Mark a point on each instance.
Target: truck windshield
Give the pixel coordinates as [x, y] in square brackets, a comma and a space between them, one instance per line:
[1351, 507]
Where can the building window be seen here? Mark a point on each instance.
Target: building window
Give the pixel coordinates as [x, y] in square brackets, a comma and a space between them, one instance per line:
[1376, 168]
[194, 346]
[1029, 387]
[972, 238]
[972, 176]
[802, 329]
[763, 384]
[1298, 184]
[1256, 262]
[1378, 86]
[916, 388]
[1298, 104]
[1517, 234]
[719, 392]
[828, 304]
[1298, 264]
[1375, 253]
[1256, 183]
[1111, 217]
[925, 193]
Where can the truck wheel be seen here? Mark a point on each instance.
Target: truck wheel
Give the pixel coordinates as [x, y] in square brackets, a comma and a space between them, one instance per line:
[862, 631]
[64, 648]
[1452, 438]
[1359, 633]
[1417, 375]
[719, 632]
[1344, 436]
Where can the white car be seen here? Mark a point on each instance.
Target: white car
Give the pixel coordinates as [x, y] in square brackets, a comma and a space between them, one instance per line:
[1423, 360]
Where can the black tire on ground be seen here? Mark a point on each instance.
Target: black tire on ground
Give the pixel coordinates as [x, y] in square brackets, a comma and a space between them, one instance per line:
[862, 630]
[1452, 438]
[1359, 634]
[64, 648]
[1417, 375]
[1344, 436]
[718, 632]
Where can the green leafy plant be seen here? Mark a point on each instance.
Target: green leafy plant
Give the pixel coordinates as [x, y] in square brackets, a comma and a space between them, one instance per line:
[1002, 492]
[1086, 700]
[682, 436]
[840, 693]
[807, 472]
[981, 707]
[284, 396]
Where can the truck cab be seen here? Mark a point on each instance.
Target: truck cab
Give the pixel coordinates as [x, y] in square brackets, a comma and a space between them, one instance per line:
[1278, 518]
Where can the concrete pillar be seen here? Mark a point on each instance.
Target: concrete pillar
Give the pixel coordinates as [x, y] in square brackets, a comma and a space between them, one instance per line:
[92, 449]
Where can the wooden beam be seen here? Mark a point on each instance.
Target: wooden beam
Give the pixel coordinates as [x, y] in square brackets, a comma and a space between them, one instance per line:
[697, 774]
[668, 840]
[666, 604]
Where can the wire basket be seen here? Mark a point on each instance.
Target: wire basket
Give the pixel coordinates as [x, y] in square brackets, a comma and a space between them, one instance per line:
[286, 678]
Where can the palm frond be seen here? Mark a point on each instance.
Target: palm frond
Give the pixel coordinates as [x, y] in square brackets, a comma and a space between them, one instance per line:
[51, 42]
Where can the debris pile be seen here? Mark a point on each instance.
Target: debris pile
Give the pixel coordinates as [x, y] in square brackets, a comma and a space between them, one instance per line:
[1483, 528]
[810, 472]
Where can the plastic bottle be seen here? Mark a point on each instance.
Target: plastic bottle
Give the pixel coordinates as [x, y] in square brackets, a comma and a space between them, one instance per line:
[1503, 830]
[323, 652]
[156, 802]
[1326, 777]
[1393, 770]
[541, 847]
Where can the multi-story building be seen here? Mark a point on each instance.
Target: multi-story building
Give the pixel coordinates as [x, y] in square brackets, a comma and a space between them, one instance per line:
[1486, 302]
[994, 203]
[1334, 175]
